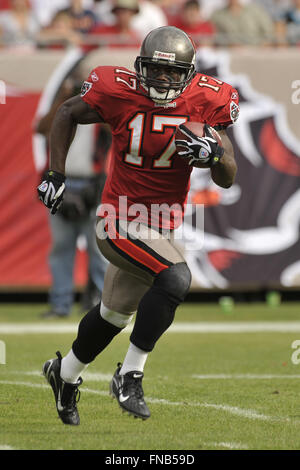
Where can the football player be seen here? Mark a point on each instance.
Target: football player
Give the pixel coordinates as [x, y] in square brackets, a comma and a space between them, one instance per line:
[146, 273]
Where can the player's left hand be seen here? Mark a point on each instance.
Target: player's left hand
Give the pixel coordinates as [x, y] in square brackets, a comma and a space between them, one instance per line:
[199, 149]
[51, 190]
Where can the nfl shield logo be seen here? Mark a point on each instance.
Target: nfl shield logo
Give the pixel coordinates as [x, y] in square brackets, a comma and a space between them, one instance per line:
[86, 86]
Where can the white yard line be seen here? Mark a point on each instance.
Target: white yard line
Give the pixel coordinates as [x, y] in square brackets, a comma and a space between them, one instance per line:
[5, 447]
[36, 328]
[227, 445]
[233, 410]
[245, 376]
[243, 413]
[179, 327]
[101, 377]
[45, 386]
[87, 376]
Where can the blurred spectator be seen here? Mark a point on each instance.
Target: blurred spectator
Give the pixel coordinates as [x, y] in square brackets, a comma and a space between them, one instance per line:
[18, 25]
[149, 16]
[4, 4]
[84, 19]
[170, 8]
[85, 171]
[292, 18]
[121, 33]
[209, 6]
[239, 24]
[102, 10]
[191, 21]
[60, 32]
[45, 10]
[277, 10]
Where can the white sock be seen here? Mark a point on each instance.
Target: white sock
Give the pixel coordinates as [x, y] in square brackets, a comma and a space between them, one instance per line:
[71, 368]
[135, 359]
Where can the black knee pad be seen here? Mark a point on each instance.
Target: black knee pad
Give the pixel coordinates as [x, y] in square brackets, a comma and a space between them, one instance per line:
[157, 307]
[175, 281]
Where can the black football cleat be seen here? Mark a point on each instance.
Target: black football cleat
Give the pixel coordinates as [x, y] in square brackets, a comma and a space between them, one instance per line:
[66, 395]
[127, 389]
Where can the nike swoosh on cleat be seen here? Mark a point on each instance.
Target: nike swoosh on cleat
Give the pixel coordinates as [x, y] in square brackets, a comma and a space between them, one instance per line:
[59, 405]
[122, 398]
[46, 372]
[52, 376]
[137, 376]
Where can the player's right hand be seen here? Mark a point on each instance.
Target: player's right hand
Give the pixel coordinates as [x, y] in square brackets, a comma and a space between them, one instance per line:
[51, 190]
[204, 149]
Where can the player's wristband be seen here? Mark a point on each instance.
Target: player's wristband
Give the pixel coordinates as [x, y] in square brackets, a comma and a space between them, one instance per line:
[55, 175]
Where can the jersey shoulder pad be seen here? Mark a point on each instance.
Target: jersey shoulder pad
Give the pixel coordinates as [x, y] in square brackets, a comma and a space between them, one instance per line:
[213, 89]
[110, 90]
[110, 80]
[219, 99]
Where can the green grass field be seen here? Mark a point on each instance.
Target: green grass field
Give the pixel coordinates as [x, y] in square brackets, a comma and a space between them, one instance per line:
[207, 390]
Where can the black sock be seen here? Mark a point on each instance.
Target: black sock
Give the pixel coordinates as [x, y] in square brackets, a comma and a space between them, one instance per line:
[94, 334]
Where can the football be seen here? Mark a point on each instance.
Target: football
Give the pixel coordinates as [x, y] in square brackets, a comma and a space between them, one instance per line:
[198, 129]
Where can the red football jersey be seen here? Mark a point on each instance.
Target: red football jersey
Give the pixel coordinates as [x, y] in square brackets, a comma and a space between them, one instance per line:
[147, 180]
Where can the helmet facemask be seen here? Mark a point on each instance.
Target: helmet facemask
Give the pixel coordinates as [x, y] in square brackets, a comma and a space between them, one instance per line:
[178, 76]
